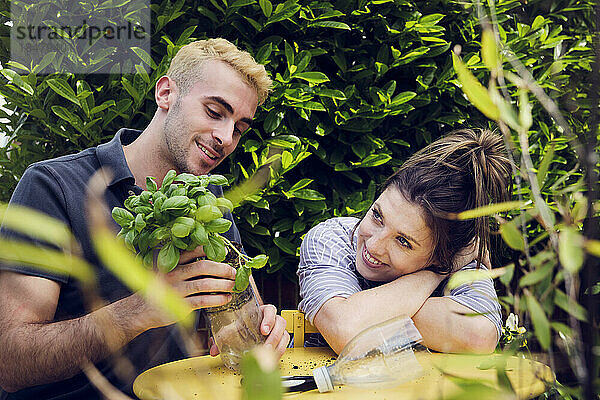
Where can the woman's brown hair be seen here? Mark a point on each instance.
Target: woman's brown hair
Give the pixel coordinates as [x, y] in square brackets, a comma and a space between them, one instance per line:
[466, 169]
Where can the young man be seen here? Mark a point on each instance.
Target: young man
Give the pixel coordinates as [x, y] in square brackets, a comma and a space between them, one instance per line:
[205, 102]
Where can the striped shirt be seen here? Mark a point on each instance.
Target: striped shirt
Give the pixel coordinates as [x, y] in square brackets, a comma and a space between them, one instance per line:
[328, 269]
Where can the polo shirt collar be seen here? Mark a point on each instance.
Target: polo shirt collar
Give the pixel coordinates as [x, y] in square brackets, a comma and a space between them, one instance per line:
[111, 155]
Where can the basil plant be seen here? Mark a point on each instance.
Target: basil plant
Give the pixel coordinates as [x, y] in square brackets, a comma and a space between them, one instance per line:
[181, 215]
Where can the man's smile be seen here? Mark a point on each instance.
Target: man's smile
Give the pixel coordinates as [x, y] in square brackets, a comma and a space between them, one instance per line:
[210, 153]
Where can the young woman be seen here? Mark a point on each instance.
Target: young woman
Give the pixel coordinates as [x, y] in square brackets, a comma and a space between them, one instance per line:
[356, 273]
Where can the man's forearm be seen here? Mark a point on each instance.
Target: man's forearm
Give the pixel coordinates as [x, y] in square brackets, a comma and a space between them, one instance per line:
[38, 353]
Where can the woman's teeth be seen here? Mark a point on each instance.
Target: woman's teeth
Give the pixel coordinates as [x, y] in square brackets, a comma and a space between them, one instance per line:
[371, 259]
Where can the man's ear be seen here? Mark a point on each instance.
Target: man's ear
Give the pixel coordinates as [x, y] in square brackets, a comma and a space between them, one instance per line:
[164, 93]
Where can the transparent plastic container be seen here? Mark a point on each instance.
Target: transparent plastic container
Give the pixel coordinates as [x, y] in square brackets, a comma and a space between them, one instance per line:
[380, 356]
[235, 327]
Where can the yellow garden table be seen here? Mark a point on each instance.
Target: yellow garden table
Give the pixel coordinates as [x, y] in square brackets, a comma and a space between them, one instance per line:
[206, 378]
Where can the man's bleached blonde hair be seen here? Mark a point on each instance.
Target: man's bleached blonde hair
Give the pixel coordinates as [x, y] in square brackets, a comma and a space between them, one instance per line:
[185, 71]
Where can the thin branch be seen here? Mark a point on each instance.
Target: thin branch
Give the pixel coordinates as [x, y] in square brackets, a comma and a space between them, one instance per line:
[102, 384]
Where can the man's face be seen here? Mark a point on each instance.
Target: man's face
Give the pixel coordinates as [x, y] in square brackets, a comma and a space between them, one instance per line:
[204, 126]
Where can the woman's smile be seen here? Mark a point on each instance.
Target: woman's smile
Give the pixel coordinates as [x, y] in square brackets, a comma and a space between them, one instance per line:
[370, 260]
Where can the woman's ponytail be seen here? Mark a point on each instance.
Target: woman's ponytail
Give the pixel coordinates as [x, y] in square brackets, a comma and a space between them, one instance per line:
[491, 176]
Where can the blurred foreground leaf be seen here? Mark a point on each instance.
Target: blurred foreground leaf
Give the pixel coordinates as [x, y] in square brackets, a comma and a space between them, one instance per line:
[27, 254]
[512, 236]
[570, 249]
[261, 375]
[37, 225]
[474, 90]
[540, 321]
[464, 277]
[489, 210]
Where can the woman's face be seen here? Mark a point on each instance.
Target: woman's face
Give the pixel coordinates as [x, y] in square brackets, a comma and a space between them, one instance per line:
[393, 239]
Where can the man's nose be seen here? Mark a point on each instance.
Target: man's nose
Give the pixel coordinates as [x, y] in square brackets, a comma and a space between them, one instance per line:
[223, 134]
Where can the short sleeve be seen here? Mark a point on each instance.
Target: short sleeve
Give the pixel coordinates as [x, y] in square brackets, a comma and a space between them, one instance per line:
[480, 296]
[326, 268]
[37, 189]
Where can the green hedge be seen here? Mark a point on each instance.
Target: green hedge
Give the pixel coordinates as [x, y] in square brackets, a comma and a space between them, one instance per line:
[361, 83]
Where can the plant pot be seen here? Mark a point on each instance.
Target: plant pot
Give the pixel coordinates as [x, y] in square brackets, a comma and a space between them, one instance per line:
[235, 326]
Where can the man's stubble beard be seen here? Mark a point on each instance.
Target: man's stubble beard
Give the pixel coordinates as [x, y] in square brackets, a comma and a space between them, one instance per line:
[175, 136]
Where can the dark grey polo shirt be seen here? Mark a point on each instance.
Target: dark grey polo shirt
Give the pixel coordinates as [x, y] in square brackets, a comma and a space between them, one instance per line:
[57, 188]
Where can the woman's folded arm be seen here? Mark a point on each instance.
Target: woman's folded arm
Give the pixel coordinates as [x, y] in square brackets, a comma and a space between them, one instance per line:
[340, 319]
[450, 327]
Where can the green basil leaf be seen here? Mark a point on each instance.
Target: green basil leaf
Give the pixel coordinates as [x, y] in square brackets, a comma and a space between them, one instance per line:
[193, 192]
[139, 222]
[180, 230]
[151, 184]
[158, 195]
[207, 199]
[169, 178]
[129, 237]
[219, 180]
[207, 213]
[242, 279]
[257, 262]
[158, 235]
[132, 202]
[182, 226]
[188, 179]
[175, 203]
[224, 204]
[209, 251]
[180, 243]
[145, 197]
[148, 258]
[199, 234]
[179, 191]
[143, 210]
[142, 240]
[218, 246]
[219, 225]
[122, 216]
[168, 257]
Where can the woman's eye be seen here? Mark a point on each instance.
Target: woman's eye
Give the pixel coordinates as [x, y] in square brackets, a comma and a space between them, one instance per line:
[376, 214]
[404, 242]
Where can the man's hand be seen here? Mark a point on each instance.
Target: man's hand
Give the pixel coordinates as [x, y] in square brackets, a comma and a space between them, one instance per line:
[272, 326]
[203, 283]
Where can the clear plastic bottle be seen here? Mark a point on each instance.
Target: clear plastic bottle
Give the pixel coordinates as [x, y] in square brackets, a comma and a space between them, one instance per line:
[235, 327]
[381, 355]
